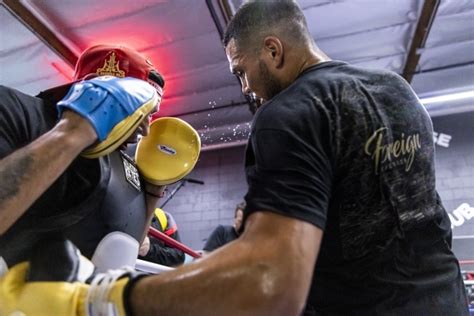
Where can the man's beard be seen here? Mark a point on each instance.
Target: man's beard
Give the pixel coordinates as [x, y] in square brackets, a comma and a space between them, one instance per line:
[271, 84]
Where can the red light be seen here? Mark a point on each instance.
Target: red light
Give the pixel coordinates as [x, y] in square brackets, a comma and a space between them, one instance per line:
[66, 73]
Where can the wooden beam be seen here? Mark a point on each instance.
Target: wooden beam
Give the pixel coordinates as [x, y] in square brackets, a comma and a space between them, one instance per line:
[428, 13]
[44, 33]
[215, 17]
[226, 10]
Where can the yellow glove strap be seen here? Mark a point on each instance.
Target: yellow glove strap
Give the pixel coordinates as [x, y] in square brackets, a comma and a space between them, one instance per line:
[54, 298]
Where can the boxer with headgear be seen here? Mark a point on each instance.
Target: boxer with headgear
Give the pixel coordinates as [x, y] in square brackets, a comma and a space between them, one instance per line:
[73, 188]
[62, 172]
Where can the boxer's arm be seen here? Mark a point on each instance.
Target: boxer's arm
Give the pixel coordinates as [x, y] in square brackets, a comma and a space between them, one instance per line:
[267, 270]
[104, 106]
[29, 171]
[153, 194]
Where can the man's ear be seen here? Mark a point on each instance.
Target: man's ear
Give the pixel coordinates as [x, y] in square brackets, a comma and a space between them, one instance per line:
[273, 49]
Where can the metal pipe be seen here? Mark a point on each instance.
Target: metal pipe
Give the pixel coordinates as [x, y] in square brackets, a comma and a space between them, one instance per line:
[422, 31]
[42, 31]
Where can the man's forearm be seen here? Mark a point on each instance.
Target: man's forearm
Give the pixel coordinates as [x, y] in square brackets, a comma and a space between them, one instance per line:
[150, 202]
[152, 196]
[28, 172]
[196, 288]
[267, 270]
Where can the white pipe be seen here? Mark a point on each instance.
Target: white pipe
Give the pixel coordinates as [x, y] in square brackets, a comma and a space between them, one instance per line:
[150, 267]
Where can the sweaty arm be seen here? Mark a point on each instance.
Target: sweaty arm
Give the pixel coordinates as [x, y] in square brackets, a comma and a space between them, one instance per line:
[268, 270]
[29, 171]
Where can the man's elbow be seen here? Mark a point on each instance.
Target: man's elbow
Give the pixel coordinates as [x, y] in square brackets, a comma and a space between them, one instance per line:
[282, 293]
[291, 303]
[288, 303]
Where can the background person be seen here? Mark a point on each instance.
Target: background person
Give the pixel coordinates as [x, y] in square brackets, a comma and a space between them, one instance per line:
[224, 234]
[157, 251]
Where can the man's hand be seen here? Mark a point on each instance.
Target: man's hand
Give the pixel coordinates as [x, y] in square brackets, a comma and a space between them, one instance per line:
[144, 247]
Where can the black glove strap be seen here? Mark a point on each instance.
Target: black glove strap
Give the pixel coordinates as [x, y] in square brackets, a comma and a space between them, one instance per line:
[134, 277]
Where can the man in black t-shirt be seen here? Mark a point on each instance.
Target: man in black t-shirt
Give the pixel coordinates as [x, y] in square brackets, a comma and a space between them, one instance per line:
[224, 234]
[343, 157]
[342, 215]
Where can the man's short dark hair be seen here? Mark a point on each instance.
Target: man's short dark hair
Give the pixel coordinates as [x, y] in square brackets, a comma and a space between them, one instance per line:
[257, 19]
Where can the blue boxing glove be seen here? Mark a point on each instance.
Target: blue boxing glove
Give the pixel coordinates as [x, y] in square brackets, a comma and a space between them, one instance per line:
[114, 106]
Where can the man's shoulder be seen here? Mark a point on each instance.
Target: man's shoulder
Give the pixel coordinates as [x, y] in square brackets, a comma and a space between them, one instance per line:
[4, 90]
[223, 228]
[13, 97]
[337, 72]
[9, 91]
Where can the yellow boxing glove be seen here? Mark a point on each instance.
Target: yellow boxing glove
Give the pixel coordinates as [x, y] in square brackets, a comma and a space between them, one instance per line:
[57, 285]
[169, 152]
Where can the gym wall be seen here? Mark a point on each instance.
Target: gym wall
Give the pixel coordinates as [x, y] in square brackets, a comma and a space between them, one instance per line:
[454, 138]
[198, 209]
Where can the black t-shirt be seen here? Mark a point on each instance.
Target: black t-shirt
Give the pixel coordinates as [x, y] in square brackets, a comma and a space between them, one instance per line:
[160, 252]
[219, 237]
[24, 118]
[351, 151]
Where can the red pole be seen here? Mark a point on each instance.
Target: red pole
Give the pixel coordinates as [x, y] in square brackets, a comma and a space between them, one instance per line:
[171, 242]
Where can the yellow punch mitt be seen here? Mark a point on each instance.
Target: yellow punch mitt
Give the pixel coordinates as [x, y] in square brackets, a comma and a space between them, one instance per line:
[169, 152]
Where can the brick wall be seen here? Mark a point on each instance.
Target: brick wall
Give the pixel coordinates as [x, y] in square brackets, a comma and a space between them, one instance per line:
[198, 209]
[454, 138]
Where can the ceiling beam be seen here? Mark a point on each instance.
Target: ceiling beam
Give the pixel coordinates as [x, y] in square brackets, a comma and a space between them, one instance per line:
[428, 13]
[43, 32]
[220, 26]
[226, 10]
